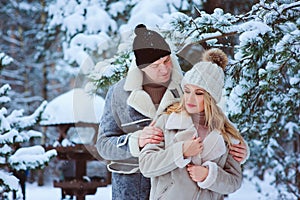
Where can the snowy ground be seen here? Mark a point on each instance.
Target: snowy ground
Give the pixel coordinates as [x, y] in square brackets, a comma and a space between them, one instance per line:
[246, 192]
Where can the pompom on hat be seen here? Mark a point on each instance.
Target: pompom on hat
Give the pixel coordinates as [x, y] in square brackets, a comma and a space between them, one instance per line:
[209, 73]
[148, 46]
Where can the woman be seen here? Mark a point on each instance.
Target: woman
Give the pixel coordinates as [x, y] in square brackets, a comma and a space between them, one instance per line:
[193, 161]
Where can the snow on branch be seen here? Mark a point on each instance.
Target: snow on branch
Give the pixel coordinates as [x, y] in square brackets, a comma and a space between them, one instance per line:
[30, 134]
[3, 92]
[16, 117]
[5, 59]
[4, 89]
[9, 181]
[109, 71]
[5, 150]
[31, 157]
[9, 137]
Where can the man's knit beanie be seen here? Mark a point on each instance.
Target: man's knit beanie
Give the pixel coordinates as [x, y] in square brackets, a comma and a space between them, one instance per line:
[148, 46]
[209, 73]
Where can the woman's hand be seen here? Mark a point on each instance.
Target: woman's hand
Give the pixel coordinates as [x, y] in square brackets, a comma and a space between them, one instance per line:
[192, 147]
[238, 151]
[150, 134]
[197, 173]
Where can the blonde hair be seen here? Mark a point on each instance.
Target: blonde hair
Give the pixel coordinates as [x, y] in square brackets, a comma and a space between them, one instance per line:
[214, 116]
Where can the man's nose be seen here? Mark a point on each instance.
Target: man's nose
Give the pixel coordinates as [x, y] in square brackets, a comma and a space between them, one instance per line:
[163, 68]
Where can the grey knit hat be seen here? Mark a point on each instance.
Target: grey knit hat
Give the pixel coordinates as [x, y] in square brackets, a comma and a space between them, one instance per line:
[148, 46]
[209, 73]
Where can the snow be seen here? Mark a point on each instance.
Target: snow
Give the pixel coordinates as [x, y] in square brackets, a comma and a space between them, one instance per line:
[9, 180]
[153, 18]
[246, 192]
[291, 127]
[251, 30]
[9, 136]
[5, 150]
[234, 99]
[90, 32]
[5, 60]
[100, 20]
[86, 18]
[116, 8]
[30, 157]
[73, 107]
[16, 117]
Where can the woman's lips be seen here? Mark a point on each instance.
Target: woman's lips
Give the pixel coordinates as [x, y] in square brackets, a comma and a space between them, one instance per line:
[191, 105]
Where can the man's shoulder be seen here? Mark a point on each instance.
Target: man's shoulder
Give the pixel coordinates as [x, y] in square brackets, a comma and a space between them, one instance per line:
[119, 86]
[117, 90]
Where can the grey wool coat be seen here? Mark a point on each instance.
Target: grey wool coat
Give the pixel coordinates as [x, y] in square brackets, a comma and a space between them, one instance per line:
[128, 109]
[165, 165]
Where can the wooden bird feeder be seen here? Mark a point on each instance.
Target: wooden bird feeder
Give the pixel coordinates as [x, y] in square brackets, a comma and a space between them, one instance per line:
[80, 112]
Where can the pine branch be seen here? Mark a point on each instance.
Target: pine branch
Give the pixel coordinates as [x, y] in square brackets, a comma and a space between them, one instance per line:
[215, 37]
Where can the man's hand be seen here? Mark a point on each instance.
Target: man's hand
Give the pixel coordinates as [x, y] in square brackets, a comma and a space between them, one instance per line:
[238, 151]
[150, 134]
[192, 147]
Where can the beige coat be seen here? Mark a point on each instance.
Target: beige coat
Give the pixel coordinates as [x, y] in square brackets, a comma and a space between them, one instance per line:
[165, 165]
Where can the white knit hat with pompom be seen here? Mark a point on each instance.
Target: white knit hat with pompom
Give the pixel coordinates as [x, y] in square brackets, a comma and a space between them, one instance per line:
[209, 73]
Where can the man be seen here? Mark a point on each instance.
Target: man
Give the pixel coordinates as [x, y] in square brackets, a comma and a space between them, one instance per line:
[152, 84]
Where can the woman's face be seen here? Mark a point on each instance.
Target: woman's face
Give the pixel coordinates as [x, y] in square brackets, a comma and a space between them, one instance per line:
[193, 99]
[160, 70]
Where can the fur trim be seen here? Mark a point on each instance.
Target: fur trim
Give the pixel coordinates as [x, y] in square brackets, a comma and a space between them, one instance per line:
[179, 121]
[140, 100]
[214, 146]
[212, 175]
[133, 143]
[178, 155]
[122, 168]
[134, 79]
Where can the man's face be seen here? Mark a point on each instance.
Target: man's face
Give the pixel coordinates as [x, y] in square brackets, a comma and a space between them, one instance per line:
[160, 70]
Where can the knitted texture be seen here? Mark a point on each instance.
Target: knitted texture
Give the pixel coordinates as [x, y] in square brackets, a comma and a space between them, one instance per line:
[208, 76]
[148, 46]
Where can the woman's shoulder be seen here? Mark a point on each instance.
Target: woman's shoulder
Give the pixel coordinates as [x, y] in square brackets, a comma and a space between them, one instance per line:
[179, 120]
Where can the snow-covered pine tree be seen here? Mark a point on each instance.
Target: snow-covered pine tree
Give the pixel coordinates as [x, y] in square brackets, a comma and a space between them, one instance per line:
[110, 70]
[265, 90]
[262, 81]
[16, 129]
[35, 52]
[95, 28]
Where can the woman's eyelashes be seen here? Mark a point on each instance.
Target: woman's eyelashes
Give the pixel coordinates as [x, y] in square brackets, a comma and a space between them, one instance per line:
[186, 91]
[195, 92]
[199, 93]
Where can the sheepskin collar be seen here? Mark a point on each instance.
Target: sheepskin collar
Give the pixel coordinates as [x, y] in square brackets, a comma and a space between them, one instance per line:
[141, 101]
[179, 121]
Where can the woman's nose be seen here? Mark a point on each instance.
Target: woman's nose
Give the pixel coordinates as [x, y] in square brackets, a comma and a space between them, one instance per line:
[190, 96]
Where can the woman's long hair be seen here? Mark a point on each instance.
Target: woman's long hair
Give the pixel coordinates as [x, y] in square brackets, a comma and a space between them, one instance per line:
[214, 118]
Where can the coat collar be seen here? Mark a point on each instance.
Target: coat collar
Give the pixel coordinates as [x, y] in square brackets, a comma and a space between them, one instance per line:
[179, 121]
[140, 100]
[214, 144]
